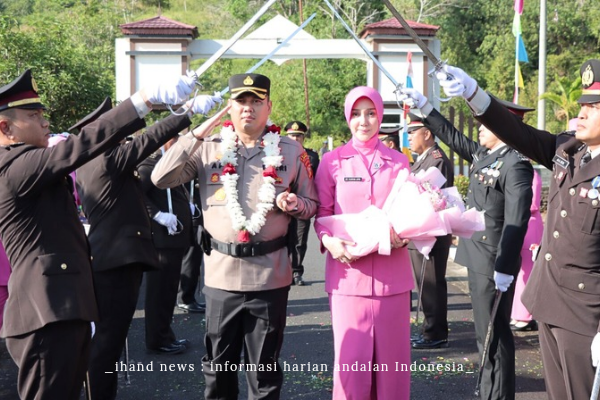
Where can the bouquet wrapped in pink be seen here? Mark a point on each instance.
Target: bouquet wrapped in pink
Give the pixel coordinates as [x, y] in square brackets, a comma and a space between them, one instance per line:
[416, 208]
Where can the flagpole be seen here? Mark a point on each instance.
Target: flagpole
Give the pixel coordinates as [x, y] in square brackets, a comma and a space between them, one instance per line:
[541, 108]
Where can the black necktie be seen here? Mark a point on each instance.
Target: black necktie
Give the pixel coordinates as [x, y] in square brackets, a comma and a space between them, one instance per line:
[585, 159]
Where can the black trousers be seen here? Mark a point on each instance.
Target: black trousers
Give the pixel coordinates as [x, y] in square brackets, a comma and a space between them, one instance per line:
[498, 380]
[117, 292]
[434, 297]
[161, 296]
[254, 321]
[52, 360]
[190, 272]
[302, 228]
[568, 369]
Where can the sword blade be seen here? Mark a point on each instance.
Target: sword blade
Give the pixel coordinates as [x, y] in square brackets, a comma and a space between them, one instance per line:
[418, 41]
[596, 387]
[365, 49]
[275, 50]
[233, 39]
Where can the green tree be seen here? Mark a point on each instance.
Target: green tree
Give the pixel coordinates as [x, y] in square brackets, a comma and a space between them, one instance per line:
[565, 96]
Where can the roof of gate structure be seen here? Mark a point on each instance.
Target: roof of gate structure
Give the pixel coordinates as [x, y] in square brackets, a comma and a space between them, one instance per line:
[159, 26]
[391, 26]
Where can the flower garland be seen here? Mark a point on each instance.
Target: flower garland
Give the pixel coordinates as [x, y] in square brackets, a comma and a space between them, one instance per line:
[266, 194]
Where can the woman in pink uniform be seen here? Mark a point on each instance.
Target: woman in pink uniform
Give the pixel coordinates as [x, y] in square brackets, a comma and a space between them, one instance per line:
[521, 318]
[368, 296]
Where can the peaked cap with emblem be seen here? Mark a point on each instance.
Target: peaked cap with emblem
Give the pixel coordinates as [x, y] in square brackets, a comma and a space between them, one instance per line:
[414, 122]
[590, 80]
[296, 128]
[20, 93]
[91, 117]
[257, 84]
[516, 109]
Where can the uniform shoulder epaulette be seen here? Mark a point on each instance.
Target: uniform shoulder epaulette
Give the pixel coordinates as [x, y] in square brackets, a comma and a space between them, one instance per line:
[436, 154]
[520, 156]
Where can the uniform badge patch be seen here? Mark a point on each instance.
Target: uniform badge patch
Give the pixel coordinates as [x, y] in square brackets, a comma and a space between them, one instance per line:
[214, 178]
[436, 154]
[220, 194]
[306, 161]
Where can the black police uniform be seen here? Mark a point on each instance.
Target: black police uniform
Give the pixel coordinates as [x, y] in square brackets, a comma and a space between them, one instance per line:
[563, 292]
[120, 240]
[434, 295]
[500, 184]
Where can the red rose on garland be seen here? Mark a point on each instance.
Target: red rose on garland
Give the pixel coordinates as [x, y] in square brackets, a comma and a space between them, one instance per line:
[270, 171]
[243, 236]
[229, 169]
[228, 124]
[274, 128]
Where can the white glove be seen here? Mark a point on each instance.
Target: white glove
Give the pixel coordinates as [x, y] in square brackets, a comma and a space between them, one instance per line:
[203, 103]
[171, 91]
[413, 98]
[456, 82]
[595, 348]
[502, 280]
[166, 219]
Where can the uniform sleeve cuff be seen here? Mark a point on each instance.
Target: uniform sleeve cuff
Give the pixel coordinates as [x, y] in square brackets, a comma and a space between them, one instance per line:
[426, 109]
[480, 102]
[140, 105]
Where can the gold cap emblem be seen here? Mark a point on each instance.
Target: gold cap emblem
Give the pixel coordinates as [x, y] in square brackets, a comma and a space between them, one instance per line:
[34, 85]
[295, 126]
[587, 78]
[248, 81]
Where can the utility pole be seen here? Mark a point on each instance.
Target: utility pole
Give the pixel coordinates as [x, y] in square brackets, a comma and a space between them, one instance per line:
[541, 108]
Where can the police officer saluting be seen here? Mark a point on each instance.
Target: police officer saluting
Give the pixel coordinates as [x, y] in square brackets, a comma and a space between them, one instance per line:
[252, 182]
[500, 182]
[563, 292]
[297, 130]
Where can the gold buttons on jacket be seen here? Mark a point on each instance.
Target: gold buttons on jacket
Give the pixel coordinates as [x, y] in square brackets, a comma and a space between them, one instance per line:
[484, 237]
[139, 233]
[581, 286]
[563, 213]
[556, 234]
[594, 202]
[572, 192]
[136, 174]
[63, 266]
[548, 256]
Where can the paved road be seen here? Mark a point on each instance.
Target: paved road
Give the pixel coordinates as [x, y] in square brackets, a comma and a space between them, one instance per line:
[309, 346]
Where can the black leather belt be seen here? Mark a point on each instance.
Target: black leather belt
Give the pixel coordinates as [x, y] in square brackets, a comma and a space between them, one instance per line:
[248, 249]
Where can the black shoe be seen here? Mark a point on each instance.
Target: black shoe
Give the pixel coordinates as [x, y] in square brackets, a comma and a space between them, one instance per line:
[183, 342]
[416, 337]
[192, 307]
[521, 327]
[429, 344]
[168, 349]
[297, 279]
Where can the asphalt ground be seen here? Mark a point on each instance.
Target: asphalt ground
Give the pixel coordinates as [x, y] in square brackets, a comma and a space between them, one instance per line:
[308, 345]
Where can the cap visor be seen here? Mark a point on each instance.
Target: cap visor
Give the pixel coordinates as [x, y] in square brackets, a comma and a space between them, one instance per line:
[257, 94]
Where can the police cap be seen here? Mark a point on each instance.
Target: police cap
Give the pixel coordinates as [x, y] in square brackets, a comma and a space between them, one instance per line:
[590, 80]
[295, 128]
[257, 84]
[20, 93]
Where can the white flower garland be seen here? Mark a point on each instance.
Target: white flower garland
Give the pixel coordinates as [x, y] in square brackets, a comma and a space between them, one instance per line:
[266, 194]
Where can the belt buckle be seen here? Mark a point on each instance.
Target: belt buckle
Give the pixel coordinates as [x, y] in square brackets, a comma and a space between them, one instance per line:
[246, 249]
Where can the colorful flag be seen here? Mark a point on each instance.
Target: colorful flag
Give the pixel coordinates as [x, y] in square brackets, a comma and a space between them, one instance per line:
[520, 51]
[404, 145]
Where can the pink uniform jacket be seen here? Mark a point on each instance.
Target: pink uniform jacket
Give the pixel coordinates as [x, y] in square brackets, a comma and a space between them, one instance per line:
[344, 185]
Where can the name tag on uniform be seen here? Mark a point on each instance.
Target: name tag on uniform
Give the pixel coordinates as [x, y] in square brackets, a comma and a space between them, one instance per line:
[353, 179]
[558, 160]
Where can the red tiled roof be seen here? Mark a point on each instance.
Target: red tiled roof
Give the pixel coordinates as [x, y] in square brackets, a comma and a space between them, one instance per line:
[159, 25]
[391, 26]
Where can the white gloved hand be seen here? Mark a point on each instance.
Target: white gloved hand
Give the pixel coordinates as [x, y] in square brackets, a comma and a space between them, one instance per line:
[166, 219]
[202, 104]
[595, 348]
[459, 84]
[413, 98]
[171, 91]
[502, 280]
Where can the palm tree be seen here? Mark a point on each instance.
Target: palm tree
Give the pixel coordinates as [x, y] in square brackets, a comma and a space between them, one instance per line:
[565, 98]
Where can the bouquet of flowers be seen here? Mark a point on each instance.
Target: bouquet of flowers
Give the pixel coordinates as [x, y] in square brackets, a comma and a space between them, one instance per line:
[416, 208]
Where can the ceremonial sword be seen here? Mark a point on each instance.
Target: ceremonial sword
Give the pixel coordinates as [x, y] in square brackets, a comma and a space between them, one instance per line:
[596, 387]
[275, 50]
[488, 340]
[233, 39]
[397, 85]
